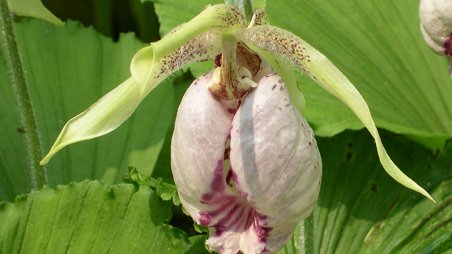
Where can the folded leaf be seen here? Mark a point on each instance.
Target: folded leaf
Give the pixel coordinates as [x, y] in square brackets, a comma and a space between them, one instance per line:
[264, 39]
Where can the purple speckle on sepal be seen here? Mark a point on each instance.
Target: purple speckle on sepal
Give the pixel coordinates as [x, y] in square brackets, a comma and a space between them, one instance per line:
[218, 60]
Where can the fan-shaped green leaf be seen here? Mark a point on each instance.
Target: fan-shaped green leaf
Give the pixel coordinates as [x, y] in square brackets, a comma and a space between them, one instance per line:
[90, 217]
[67, 69]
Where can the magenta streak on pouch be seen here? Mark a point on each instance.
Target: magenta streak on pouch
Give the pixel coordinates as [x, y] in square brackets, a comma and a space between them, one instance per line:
[232, 110]
[218, 183]
[230, 212]
[448, 45]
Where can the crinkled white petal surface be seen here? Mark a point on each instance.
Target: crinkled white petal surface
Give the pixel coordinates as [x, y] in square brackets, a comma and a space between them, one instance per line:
[249, 174]
[275, 159]
[200, 132]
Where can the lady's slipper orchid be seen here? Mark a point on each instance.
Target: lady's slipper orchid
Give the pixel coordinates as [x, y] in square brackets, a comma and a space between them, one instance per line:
[436, 26]
[244, 160]
[249, 173]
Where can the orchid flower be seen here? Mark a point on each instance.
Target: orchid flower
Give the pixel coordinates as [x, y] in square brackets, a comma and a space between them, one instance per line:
[244, 160]
[436, 26]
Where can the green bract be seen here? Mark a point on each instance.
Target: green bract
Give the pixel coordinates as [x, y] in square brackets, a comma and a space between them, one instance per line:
[217, 30]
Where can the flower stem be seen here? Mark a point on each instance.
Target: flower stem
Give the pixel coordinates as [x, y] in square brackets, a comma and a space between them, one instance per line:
[229, 65]
[17, 79]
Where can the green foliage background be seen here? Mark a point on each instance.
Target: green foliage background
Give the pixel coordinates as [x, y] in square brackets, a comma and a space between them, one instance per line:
[88, 207]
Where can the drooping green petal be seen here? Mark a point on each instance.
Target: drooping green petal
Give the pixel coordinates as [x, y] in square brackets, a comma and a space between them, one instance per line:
[101, 118]
[116, 107]
[265, 39]
[33, 8]
[186, 44]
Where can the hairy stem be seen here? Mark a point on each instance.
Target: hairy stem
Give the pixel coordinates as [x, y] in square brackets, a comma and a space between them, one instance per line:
[17, 79]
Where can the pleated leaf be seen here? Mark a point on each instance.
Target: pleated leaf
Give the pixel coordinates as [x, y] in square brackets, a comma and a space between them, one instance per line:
[90, 217]
[67, 69]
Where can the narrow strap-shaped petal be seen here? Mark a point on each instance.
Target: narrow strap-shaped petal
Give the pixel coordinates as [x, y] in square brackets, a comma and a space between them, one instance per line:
[116, 107]
[287, 46]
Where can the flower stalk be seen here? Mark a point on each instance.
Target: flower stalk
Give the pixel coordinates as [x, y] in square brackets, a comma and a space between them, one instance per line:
[9, 49]
[229, 66]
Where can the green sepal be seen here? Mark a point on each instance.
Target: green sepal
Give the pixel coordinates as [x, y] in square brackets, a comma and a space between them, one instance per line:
[186, 44]
[102, 117]
[269, 41]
